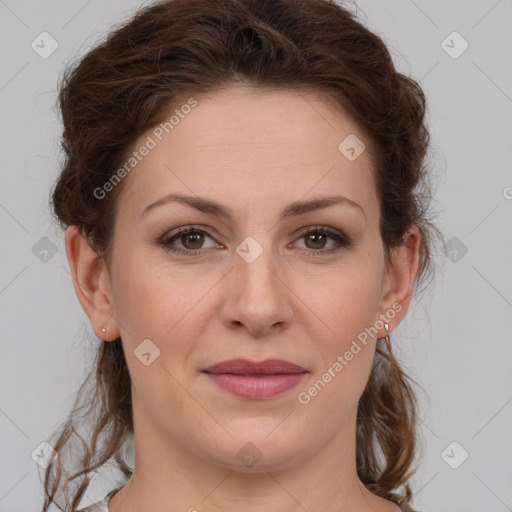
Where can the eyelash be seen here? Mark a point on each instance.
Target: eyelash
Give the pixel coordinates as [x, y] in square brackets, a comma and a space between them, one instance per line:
[343, 241]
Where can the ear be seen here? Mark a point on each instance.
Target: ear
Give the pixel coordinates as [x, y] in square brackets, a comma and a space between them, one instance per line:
[401, 275]
[92, 284]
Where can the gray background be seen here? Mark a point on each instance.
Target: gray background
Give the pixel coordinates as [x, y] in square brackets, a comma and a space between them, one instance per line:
[455, 342]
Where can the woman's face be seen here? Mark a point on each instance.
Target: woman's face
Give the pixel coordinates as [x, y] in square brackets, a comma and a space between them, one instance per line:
[251, 284]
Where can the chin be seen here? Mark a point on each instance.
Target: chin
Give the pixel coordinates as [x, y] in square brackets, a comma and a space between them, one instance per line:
[261, 446]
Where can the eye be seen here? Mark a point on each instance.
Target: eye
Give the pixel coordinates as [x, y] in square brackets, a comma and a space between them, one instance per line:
[192, 239]
[316, 239]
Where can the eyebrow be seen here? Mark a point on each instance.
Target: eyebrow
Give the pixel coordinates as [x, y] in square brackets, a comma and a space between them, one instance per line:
[214, 208]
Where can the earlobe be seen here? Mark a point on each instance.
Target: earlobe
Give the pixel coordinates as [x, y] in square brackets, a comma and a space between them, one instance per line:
[92, 283]
[401, 275]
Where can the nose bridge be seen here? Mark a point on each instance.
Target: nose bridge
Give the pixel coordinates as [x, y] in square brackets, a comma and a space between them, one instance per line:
[259, 299]
[255, 267]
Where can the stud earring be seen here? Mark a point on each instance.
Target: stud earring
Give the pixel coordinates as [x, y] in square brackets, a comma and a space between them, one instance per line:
[103, 329]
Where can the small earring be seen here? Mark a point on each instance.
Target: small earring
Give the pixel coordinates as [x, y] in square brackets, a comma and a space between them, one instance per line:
[103, 329]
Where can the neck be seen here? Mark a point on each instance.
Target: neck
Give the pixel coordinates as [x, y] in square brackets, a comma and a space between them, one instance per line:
[168, 476]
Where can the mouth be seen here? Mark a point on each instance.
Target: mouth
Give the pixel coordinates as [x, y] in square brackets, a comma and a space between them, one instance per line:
[256, 380]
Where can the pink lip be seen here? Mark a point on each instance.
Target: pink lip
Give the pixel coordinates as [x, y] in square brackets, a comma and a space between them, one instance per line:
[256, 380]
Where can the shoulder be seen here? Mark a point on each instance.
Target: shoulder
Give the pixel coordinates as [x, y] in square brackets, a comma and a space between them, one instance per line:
[101, 506]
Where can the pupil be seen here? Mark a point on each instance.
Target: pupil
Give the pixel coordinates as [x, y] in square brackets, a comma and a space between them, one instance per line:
[314, 238]
[198, 239]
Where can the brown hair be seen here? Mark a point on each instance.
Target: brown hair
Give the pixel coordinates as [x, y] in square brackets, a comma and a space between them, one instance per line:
[174, 49]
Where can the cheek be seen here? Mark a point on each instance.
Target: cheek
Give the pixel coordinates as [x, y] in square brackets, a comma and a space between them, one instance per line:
[347, 308]
[345, 301]
[144, 306]
[158, 301]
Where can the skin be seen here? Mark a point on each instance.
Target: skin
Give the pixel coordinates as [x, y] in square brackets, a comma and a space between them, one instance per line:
[255, 152]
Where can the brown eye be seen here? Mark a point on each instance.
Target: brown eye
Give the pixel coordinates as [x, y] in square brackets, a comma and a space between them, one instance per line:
[192, 240]
[317, 240]
[187, 241]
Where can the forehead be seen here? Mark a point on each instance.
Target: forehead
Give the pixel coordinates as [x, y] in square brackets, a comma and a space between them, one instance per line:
[247, 143]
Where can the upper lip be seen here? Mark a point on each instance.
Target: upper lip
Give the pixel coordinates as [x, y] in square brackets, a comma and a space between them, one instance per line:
[246, 367]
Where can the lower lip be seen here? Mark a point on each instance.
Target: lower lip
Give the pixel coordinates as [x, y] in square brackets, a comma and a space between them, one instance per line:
[256, 387]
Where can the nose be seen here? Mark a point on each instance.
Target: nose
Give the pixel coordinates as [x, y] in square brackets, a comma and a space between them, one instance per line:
[257, 297]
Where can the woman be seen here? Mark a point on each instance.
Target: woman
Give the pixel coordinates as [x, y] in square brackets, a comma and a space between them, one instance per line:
[245, 212]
